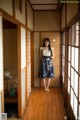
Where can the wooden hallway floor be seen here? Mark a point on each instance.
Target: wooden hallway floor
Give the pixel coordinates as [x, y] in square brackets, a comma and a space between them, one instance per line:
[46, 105]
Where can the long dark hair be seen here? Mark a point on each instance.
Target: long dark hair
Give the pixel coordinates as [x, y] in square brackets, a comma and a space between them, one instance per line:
[49, 46]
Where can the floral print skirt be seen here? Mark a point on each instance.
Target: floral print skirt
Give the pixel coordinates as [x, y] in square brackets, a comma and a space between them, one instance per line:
[46, 68]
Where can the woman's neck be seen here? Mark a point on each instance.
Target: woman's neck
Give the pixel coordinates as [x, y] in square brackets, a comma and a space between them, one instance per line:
[46, 46]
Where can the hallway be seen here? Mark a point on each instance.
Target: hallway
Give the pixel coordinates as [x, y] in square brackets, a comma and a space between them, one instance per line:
[24, 25]
[46, 105]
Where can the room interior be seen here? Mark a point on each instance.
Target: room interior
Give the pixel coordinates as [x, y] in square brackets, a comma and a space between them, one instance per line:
[23, 26]
[10, 68]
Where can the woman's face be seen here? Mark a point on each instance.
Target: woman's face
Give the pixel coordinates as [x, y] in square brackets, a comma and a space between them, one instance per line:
[46, 43]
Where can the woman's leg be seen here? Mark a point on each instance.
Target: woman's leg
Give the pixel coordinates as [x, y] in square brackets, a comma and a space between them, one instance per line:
[48, 83]
[44, 82]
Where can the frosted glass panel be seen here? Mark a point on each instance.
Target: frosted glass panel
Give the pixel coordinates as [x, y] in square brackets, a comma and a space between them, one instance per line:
[75, 107]
[63, 38]
[69, 54]
[77, 34]
[68, 86]
[72, 77]
[69, 69]
[71, 98]
[76, 84]
[76, 59]
[63, 50]
[72, 57]
[23, 48]
[63, 62]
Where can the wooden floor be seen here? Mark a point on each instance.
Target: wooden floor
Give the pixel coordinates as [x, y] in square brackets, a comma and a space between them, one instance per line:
[46, 105]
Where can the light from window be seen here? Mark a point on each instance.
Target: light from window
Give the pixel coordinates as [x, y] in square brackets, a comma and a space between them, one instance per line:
[75, 107]
[76, 59]
[68, 69]
[71, 98]
[72, 77]
[68, 86]
[72, 63]
[69, 53]
[76, 84]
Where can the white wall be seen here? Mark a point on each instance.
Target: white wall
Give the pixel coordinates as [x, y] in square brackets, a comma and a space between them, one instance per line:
[46, 21]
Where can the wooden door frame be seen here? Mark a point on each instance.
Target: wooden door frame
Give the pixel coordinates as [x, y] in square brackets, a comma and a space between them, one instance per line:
[2, 91]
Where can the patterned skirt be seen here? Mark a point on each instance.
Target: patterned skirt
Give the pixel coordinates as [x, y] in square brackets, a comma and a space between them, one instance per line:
[46, 68]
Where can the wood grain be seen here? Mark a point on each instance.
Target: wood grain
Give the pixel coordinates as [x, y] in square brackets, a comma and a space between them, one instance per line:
[45, 105]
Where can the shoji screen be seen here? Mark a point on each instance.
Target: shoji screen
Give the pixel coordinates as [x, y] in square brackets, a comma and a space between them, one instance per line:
[23, 69]
[1, 67]
[73, 68]
[63, 55]
[28, 63]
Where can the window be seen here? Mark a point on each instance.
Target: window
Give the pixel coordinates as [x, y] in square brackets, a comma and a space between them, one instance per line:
[73, 68]
[76, 58]
[63, 55]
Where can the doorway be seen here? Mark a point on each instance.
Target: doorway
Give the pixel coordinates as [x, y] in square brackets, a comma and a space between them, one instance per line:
[10, 69]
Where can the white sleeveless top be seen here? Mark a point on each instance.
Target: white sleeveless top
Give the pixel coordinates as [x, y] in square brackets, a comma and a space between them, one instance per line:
[46, 52]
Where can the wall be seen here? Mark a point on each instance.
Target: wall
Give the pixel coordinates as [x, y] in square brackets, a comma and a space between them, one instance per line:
[10, 49]
[21, 16]
[69, 12]
[46, 21]
[7, 6]
[72, 10]
[63, 17]
[55, 82]
[29, 16]
[36, 58]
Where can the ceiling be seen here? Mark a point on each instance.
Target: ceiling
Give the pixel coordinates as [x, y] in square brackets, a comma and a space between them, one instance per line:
[45, 4]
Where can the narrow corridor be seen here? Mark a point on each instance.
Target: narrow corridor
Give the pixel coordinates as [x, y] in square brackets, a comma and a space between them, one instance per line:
[46, 105]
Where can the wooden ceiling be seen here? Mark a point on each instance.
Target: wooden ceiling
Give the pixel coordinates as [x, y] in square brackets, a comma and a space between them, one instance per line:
[45, 4]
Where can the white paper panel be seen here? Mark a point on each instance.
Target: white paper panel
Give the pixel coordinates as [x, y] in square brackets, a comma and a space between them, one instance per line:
[23, 88]
[23, 48]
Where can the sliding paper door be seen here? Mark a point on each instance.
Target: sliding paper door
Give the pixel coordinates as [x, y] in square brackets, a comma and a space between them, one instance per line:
[28, 64]
[23, 69]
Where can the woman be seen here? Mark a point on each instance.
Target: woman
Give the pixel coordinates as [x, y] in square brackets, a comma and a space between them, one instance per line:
[47, 70]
